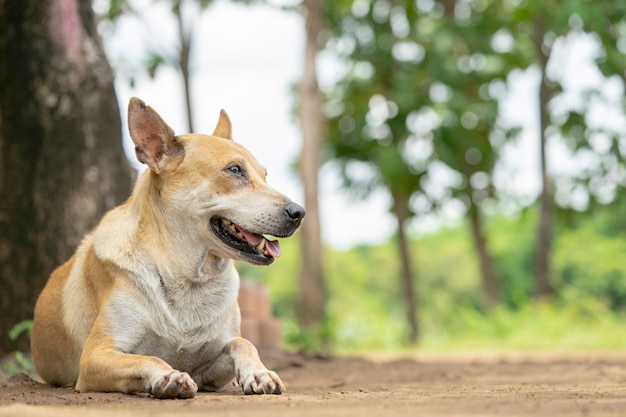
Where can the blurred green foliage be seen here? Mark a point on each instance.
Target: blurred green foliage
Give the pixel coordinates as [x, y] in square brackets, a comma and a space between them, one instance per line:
[25, 326]
[418, 111]
[365, 311]
[17, 362]
[421, 90]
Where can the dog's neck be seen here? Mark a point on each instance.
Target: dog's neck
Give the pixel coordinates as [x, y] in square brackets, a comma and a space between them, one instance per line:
[211, 266]
[187, 257]
[178, 249]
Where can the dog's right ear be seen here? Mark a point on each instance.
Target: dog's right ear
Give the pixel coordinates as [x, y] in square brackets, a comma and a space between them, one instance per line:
[223, 128]
[154, 140]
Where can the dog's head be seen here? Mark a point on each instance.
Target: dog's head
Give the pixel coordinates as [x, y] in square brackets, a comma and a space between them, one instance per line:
[214, 187]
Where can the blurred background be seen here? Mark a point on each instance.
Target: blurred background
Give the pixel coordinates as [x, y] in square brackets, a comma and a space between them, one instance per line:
[461, 161]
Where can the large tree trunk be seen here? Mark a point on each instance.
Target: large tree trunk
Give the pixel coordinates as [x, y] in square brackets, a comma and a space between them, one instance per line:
[61, 159]
[544, 235]
[491, 288]
[312, 289]
[401, 212]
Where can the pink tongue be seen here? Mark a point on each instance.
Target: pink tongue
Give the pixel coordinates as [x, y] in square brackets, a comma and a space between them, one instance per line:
[252, 238]
[273, 247]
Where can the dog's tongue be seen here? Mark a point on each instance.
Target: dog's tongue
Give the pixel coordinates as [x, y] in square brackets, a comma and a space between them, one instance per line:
[271, 246]
[252, 238]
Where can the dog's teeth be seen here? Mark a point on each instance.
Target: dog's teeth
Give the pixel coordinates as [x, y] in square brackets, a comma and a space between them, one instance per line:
[261, 246]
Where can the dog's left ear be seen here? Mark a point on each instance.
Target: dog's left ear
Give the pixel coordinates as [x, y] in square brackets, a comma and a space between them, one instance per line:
[154, 139]
[223, 128]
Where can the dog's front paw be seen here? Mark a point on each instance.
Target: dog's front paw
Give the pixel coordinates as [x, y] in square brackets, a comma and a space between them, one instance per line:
[260, 381]
[175, 384]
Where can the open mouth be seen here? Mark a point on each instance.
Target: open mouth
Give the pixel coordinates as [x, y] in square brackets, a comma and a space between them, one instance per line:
[254, 248]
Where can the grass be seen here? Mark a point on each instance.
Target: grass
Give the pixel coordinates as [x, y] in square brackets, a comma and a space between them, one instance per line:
[537, 326]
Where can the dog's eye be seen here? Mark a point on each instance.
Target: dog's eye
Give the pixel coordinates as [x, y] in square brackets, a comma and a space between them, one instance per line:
[237, 170]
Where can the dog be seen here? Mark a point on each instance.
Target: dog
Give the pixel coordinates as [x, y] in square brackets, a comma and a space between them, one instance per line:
[148, 303]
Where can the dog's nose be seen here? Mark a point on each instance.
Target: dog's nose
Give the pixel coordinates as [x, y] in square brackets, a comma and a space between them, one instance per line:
[294, 212]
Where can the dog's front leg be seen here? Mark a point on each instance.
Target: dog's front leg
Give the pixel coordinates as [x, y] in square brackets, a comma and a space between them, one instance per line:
[104, 368]
[250, 373]
[241, 359]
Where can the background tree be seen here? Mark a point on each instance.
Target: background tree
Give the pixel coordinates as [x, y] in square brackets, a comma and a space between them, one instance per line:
[468, 59]
[312, 292]
[424, 81]
[547, 89]
[186, 14]
[61, 159]
[415, 98]
[368, 113]
[551, 25]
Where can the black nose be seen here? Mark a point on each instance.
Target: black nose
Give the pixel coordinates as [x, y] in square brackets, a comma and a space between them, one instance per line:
[294, 212]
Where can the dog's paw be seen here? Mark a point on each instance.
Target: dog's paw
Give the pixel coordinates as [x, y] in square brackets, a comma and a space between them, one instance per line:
[260, 381]
[175, 384]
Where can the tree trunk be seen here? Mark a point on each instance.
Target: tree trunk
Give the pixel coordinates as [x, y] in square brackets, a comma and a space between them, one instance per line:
[183, 62]
[61, 159]
[491, 289]
[312, 289]
[401, 211]
[544, 235]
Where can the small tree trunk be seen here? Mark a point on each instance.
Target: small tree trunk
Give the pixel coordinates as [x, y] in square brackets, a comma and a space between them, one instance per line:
[183, 62]
[312, 289]
[401, 212]
[61, 159]
[544, 233]
[491, 289]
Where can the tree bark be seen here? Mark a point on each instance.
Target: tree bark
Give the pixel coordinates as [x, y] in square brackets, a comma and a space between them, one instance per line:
[62, 163]
[401, 212]
[312, 294]
[544, 235]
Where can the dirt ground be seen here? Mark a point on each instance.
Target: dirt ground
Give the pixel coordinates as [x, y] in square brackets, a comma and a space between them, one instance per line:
[468, 384]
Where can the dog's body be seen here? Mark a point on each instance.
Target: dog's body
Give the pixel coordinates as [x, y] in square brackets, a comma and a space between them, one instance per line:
[148, 303]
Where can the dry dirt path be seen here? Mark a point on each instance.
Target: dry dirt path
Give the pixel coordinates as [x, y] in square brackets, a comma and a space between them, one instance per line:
[477, 384]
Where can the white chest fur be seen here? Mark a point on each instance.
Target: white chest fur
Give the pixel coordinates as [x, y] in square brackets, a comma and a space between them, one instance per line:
[180, 322]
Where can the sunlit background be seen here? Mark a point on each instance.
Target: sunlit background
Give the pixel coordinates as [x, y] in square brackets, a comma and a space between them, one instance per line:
[441, 228]
[248, 59]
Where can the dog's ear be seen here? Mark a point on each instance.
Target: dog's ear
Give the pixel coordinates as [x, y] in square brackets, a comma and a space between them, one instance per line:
[223, 128]
[153, 138]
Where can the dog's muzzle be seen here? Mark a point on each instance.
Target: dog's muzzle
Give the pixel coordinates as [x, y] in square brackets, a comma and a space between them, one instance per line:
[252, 245]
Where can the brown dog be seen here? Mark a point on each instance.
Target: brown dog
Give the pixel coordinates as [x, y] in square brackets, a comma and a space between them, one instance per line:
[148, 303]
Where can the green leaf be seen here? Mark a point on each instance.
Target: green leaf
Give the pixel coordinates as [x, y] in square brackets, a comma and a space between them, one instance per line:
[22, 327]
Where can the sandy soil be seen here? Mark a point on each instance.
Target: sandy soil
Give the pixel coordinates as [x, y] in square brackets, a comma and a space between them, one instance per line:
[470, 384]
